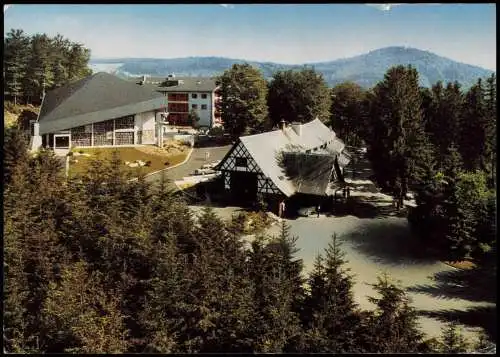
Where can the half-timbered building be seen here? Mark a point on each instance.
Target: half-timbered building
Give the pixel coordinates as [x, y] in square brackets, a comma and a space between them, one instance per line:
[295, 159]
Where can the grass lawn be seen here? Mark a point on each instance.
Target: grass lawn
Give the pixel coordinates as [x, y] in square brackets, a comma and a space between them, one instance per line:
[159, 159]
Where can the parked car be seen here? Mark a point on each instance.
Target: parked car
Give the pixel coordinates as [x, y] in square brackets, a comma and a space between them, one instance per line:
[306, 211]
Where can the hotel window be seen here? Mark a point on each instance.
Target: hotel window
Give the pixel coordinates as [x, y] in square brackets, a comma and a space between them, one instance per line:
[203, 107]
[204, 96]
[194, 106]
[194, 95]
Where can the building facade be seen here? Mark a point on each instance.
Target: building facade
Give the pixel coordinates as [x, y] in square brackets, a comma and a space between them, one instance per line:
[184, 94]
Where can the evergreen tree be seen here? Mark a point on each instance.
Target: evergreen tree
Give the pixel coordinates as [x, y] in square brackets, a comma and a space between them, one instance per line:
[15, 62]
[59, 52]
[83, 316]
[39, 76]
[15, 152]
[216, 313]
[398, 147]
[35, 64]
[331, 316]
[491, 121]
[277, 293]
[299, 96]
[444, 121]
[243, 102]
[347, 117]
[394, 324]
[474, 129]
[452, 340]
[34, 208]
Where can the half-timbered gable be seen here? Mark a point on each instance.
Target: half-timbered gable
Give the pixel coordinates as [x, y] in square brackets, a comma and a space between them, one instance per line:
[239, 159]
[255, 163]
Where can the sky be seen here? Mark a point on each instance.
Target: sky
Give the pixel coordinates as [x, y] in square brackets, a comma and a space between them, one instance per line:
[282, 33]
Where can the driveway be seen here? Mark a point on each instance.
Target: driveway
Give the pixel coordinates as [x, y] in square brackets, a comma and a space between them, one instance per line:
[379, 240]
[195, 161]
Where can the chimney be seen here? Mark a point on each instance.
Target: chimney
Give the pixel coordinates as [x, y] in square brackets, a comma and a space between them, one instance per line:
[297, 127]
[282, 124]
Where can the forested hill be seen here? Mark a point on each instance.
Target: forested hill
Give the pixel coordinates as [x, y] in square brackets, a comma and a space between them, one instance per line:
[365, 70]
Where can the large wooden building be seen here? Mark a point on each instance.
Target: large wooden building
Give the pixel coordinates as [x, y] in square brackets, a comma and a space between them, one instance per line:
[303, 159]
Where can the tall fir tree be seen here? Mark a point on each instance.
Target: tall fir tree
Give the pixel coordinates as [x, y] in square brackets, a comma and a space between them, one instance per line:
[331, 314]
[15, 60]
[474, 127]
[277, 282]
[394, 324]
[398, 147]
[452, 339]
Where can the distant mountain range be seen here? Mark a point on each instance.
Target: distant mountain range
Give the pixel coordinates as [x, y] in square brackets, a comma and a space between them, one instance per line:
[365, 70]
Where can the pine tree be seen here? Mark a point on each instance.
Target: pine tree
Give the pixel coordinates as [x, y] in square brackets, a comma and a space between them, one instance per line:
[84, 317]
[332, 316]
[398, 147]
[473, 135]
[277, 293]
[15, 62]
[394, 324]
[217, 311]
[489, 160]
[39, 77]
[34, 208]
[162, 314]
[444, 121]
[15, 151]
[59, 51]
[452, 340]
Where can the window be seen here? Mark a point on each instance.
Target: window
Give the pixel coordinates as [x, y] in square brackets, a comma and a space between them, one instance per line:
[194, 95]
[124, 123]
[194, 106]
[204, 96]
[178, 107]
[203, 107]
[241, 162]
[178, 97]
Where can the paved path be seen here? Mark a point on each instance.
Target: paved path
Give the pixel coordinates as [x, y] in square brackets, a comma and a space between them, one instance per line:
[196, 160]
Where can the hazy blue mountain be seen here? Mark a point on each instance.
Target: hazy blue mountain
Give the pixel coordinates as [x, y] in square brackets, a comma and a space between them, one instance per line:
[366, 69]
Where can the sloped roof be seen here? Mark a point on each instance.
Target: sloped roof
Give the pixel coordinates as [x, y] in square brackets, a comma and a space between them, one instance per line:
[266, 148]
[66, 107]
[189, 84]
[310, 173]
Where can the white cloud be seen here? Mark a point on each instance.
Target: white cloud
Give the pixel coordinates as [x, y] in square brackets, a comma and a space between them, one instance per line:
[5, 7]
[227, 6]
[383, 7]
